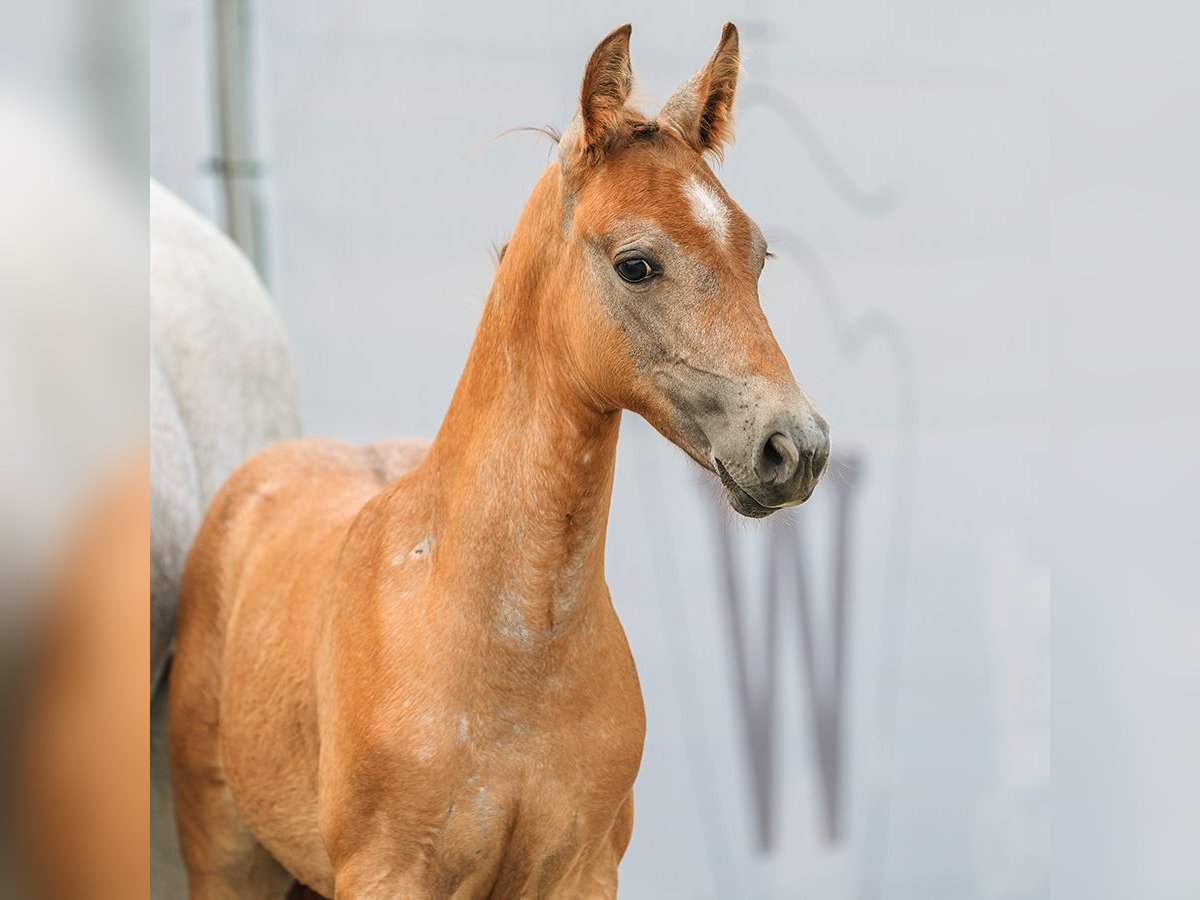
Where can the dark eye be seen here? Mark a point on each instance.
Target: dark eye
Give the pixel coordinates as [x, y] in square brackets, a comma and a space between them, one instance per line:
[634, 270]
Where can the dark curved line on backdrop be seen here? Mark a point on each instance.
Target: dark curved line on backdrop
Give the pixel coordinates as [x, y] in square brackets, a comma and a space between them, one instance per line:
[855, 335]
[702, 769]
[758, 695]
[756, 700]
[878, 202]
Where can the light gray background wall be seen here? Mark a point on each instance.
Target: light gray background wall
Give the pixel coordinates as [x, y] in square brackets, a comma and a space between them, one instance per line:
[901, 173]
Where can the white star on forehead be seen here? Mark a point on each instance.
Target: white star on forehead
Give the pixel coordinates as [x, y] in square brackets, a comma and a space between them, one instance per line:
[708, 208]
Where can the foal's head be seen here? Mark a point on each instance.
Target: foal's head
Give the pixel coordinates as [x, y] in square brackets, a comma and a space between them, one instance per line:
[666, 320]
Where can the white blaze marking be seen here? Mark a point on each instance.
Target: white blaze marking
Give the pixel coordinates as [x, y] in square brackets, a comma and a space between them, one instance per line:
[708, 208]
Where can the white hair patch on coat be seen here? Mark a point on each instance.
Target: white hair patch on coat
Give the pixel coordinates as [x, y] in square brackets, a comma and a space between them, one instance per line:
[708, 208]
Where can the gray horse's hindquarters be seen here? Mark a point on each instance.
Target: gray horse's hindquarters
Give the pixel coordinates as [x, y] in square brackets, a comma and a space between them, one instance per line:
[175, 511]
[223, 386]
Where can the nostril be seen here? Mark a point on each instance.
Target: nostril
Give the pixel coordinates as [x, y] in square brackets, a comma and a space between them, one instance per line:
[820, 461]
[771, 455]
[817, 458]
[778, 459]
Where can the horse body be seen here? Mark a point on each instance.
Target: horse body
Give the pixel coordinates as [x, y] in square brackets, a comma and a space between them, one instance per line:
[399, 670]
[222, 387]
[222, 382]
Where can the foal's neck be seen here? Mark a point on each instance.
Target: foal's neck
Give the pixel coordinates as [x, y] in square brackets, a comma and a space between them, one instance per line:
[522, 466]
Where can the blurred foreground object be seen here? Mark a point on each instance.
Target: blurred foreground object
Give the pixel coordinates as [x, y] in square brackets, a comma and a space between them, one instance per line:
[72, 344]
[72, 405]
[85, 763]
[222, 386]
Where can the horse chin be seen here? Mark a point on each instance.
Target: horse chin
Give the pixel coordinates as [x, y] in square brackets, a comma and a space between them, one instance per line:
[750, 509]
[741, 502]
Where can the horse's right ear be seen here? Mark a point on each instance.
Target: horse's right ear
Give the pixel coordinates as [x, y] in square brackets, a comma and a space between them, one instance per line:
[607, 83]
[702, 110]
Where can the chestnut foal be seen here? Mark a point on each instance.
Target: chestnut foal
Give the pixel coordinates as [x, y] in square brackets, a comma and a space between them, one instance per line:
[399, 672]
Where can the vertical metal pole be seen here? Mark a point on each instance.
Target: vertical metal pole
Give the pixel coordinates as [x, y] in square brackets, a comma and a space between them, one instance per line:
[236, 163]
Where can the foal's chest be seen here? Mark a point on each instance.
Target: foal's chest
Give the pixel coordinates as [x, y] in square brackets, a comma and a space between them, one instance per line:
[505, 769]
[528, 803]
[543, 834]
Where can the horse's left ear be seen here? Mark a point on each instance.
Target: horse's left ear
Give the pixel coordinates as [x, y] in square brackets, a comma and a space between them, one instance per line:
[702, 110]
[606, 86]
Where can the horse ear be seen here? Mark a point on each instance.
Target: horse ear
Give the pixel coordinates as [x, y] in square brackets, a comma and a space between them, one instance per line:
[701, 111]
[607, 83]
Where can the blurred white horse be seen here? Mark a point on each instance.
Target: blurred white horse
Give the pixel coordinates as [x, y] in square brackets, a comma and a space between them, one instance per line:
[222, 386]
